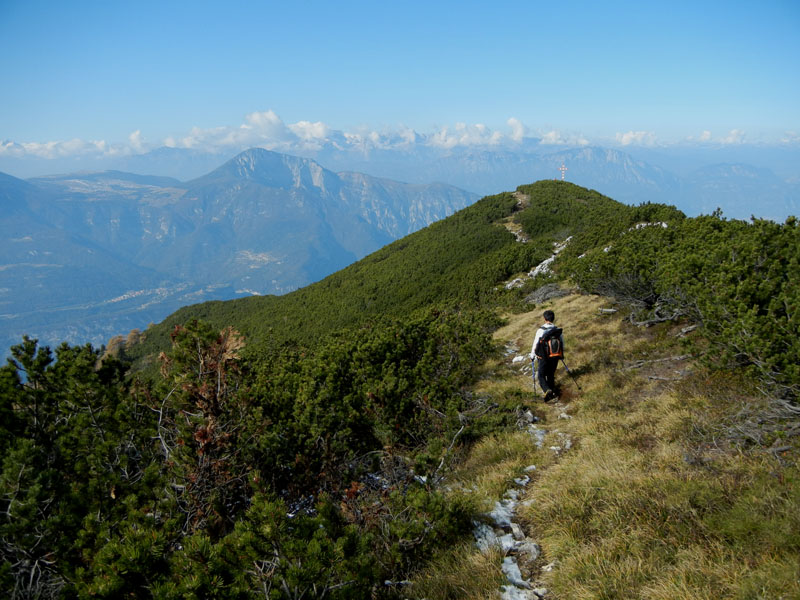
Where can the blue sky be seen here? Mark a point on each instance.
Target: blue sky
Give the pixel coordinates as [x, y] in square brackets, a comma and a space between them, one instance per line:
[133, 75]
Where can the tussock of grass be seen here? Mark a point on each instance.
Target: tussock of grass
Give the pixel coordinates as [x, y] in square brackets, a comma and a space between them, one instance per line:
[495, 461]
[669, 492]
[461, 573]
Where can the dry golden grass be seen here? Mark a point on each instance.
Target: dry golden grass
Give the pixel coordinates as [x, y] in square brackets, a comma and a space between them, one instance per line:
[656, 499]
[495, 461]
[461, 573]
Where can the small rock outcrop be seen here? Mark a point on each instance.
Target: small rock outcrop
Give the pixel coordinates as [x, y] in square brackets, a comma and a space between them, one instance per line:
[545, 293]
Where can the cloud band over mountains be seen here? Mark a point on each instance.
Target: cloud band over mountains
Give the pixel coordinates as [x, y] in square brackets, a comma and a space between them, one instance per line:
[266, 129]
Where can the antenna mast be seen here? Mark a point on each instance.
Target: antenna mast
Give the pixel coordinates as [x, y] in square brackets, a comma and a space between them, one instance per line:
[563, 170]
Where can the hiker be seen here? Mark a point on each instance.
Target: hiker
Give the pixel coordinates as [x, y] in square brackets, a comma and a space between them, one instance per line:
[547, 363]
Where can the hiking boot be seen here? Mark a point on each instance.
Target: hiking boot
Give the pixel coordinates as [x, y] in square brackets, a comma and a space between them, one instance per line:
[549, 395]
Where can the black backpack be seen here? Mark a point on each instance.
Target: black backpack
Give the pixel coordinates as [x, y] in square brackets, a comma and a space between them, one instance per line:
[549, 345]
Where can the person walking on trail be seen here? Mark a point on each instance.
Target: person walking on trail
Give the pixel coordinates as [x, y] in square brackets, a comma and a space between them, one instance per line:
[547, 363]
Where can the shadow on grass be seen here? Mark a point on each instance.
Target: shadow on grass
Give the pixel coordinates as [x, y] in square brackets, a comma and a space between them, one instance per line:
[580, 370]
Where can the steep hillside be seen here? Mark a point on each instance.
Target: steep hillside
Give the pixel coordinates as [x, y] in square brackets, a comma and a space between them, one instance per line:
[450, 261]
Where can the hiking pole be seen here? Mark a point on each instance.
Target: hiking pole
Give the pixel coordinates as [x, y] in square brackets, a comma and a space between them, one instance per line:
[570, 374]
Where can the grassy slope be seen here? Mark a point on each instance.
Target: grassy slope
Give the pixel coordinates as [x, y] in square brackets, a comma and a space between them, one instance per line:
[660, 495]
[449, 261]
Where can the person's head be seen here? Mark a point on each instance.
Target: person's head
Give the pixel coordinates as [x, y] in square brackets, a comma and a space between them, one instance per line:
[549, 316]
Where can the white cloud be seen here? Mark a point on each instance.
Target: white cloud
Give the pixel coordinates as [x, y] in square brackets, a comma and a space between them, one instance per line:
[59, 149]
[8, 148]
[465, 135]
[266, 124]
[197, 137]
[264, 129]
[224, 137]
[136, 140]
[267, 130]
[365, 139]
[518, 130]
[553, 137]
[311, 133]
[406, 137]
[638, 138]
[703, 138]
[443, 139]
[735, 136]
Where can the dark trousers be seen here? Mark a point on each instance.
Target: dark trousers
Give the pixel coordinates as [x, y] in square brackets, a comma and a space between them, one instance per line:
[546, 374]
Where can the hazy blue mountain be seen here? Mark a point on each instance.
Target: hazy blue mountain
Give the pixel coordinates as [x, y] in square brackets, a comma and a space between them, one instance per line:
[51, 278]
[90, 255]
[683, 160]
[632, 174]
[682, 175]
[686, 176]
[273, 222]
[743, 191]
[122, 212]
[609, 171]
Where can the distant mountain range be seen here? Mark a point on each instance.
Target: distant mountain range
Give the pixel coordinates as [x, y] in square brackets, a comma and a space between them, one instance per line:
[91, 255]
[743, 180]
[739, 189]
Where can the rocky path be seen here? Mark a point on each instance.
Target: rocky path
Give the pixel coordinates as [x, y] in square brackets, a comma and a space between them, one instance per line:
[522, 202]
[503, 529]
[500, 529]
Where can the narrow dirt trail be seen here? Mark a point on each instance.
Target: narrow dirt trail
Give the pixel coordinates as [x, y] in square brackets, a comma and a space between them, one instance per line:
[523, 200]
[523, 561]
[554, 427]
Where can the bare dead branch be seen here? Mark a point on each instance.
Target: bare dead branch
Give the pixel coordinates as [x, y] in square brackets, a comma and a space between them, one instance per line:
[640, 363]
[686, 330]
[434, 476]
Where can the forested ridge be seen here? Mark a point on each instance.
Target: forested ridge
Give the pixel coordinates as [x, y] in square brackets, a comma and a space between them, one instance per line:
[300, 446]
